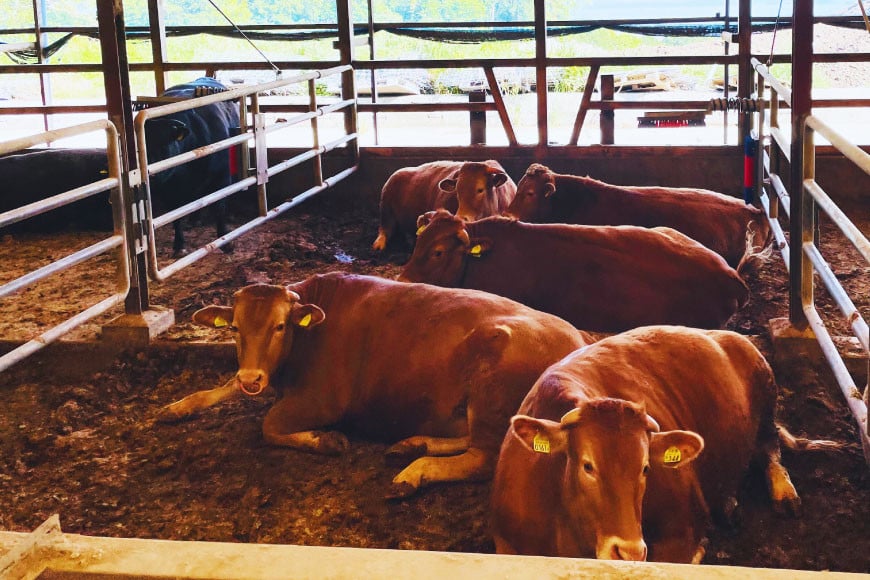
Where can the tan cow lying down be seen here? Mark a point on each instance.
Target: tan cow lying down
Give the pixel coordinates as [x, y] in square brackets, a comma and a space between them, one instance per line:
[470, 189]
[722, 223]
[604, 279]
[619, 449]
[443, 368]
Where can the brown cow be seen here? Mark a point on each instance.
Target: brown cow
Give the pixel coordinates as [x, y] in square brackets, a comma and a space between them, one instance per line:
[724, 224]
[471, 189]
[443, 368]
[605, 279]
[604, 458]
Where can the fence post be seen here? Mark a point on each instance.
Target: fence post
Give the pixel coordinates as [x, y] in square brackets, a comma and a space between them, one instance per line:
[478, 118]
[607, 115]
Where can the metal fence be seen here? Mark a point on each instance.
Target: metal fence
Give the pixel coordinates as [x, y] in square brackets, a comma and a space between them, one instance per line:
[810, 198]
[253, 127]
[116, 242]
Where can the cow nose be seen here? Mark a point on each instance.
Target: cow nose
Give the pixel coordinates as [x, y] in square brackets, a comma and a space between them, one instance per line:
[619, 549]
[251, 382]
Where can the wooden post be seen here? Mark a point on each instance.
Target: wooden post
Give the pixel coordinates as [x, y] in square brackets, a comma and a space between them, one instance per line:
[541, 71]
[477, 118]
[116, 74]
[158, 43]
[348, 82]
[801, 205]
[607, 114]
[744, 66]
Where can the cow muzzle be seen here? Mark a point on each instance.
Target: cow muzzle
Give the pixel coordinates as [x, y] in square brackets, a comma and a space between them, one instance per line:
[614, 548]
[252, 382]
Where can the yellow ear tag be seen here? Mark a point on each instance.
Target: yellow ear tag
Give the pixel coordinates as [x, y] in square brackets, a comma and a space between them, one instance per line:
[475, 251]
[672, 455]
[219, 322]
[306, 320]
[541, 444]
[420, 229]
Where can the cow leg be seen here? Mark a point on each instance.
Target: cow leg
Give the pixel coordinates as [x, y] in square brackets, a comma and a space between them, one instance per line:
[198, 401]
[178, 249]
[386, 229]
[473, 465]
[417, 446]
[288, 424]
[782, 492]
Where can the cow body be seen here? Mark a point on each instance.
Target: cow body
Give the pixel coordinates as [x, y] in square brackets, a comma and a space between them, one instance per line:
[35, 175]
[470, 189]
[185, 131]
[647, 433]
[605, 279]
[336, 347]
[722, 223]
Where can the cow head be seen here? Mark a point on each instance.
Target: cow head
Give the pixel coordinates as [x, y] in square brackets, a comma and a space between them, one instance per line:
[474, 185]
[533, 202]
[442, 247]
[609, 447]
[264, 320]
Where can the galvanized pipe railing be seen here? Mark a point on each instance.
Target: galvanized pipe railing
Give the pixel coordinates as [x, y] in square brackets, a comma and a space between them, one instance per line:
[813, 198]
[114, 242]
[258, 130]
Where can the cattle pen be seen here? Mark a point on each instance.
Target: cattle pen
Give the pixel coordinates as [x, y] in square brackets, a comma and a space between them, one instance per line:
[96, 325]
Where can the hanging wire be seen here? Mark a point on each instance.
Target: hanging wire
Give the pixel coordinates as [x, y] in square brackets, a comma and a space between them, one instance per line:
[773, 40]
[277, 70]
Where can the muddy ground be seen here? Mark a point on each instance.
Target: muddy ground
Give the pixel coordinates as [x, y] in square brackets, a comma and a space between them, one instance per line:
[86, 446]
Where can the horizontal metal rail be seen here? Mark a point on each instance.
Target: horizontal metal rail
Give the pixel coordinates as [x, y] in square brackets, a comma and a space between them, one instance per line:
[258, 132]
[114, 242]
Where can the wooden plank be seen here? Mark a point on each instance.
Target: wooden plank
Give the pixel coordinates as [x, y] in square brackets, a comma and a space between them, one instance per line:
[27, 560]
[584, 104]
[499, 105]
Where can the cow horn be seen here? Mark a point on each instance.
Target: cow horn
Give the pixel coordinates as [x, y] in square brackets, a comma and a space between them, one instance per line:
[652, 425]
[570, 418]
[293, 296]
[463, 237]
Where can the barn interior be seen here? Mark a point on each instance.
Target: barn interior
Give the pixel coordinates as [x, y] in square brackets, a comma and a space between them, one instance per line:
[95, 329]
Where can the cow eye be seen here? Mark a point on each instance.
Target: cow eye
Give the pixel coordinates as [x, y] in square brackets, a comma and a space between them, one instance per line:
[646, 470]
[588, 468]
[280, 327]
[234, 328]
[437, 254]
[480, 190]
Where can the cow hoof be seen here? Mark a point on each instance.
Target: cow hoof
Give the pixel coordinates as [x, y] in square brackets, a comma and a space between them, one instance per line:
[332, 443]
[169, 415]
[401, 490]
[404, 452]
[788, 506]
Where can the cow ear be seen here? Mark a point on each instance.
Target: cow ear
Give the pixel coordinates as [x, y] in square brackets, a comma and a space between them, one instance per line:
[674, 449]
[179, 130]
[306, 315]
[549, 189]
[478, 247]
[423, 221]
[214, 316]
[499, 179]
[448, 184]
[539, 435]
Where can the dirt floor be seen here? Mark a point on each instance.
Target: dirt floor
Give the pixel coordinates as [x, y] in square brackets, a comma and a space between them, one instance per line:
[84, 445]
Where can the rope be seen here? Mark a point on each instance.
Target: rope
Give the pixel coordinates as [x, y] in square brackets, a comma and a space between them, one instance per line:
[227, 18]
[773, 40]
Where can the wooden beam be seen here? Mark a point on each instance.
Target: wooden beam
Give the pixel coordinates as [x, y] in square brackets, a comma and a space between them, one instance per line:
[500, 106]
[584, 105]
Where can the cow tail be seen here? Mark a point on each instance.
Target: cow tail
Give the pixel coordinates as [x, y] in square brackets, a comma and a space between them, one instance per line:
[753, 258]
[803, 444]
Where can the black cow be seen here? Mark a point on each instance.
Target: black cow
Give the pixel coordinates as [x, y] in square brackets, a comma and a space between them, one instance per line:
[185, 131]
[34, 175]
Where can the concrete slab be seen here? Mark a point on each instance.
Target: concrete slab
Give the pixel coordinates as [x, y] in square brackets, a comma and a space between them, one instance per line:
[138, 330]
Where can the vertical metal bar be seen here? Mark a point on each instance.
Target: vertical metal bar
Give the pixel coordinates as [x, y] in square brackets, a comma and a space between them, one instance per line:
[607, 115]
[541, 72]
[158, 43]
[800, 269]
[373, 78]
[261, 160]
[348, 81]
[110, 17]
[40, 40]
[744, 66]
[726, 84]
[315, 134]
